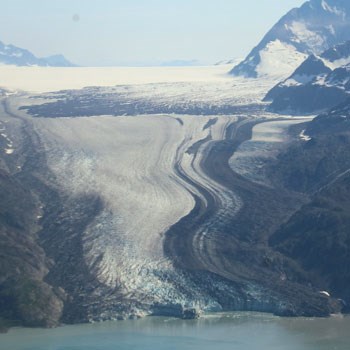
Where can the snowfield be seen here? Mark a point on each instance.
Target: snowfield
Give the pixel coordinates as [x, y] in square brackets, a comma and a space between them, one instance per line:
[46, 79]
[279, 59]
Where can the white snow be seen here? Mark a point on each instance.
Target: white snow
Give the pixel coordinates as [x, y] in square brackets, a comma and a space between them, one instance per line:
[46, 79]
[321, 79]
[304, 137]
[331, 29]
[303, 35]
[274, 131]
[337, 63]
[279, 59]
[298, 80]
[10, 149]
[10, 93]
[332, 9]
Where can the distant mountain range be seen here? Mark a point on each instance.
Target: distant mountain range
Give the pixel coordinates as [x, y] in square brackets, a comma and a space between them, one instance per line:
[319, 83]
[311, 29]
[233, 61]
[12, 55]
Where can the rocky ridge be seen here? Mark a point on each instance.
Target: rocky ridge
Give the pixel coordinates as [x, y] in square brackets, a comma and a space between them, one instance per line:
[311, 29]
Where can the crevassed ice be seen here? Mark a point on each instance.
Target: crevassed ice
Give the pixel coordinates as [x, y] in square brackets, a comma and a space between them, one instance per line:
[130, 162]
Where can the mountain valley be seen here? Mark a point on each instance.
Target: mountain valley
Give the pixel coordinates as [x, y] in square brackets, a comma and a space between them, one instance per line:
[179, 191]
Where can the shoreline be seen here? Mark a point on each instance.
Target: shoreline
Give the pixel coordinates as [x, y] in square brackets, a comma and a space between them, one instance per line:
[205, 316]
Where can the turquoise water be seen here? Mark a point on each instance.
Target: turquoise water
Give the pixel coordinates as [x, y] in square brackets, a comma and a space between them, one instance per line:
[241, 331]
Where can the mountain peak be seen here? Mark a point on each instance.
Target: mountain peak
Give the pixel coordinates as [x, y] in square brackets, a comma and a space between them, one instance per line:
[320, 82]
[13, 55]
[310, 29]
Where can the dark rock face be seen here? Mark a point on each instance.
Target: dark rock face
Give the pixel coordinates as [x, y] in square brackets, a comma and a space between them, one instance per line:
[337, 52]
[317, 84]
[306, 72]
[190, 314]
[307, 99]
[314, 27]
[25, 298]
[317, 236]
[176, 310]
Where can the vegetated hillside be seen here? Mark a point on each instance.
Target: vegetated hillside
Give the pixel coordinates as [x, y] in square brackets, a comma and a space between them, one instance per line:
[314, 27]
[318, 236]
[319, 83]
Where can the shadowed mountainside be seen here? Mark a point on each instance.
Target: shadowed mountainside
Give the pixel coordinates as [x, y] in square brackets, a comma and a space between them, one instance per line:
[317, 235]
[319, 83]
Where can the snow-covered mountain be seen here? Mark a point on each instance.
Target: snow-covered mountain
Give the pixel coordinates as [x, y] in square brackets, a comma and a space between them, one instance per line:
[311, 29]
[320, 82]
[12, 55]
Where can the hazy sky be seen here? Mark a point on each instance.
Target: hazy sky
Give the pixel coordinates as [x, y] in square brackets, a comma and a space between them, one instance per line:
[139, 32]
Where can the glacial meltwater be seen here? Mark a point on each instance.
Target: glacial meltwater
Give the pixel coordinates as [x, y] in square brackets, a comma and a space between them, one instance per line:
[241, 331]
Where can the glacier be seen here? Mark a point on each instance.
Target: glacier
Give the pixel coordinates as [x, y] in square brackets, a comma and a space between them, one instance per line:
[136, 210]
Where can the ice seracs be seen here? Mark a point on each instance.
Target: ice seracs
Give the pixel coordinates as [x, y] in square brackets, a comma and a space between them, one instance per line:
[131, 162]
